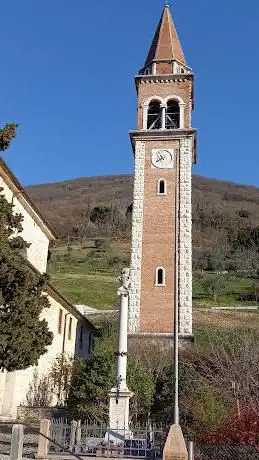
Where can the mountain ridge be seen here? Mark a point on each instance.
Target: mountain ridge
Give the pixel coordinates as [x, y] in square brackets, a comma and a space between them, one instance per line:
[66, 202]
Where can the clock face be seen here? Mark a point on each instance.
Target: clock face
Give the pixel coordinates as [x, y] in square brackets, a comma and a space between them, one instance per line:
[162, 158]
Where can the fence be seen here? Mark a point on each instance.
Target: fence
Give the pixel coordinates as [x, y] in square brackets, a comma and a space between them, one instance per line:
[91, 438]
[59, 438]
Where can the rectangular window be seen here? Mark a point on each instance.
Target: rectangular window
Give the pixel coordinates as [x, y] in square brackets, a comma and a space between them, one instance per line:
[70, 329]
[60, 320]
[81, 338]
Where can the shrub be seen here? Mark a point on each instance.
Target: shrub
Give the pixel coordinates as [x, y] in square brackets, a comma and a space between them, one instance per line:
[101, 243]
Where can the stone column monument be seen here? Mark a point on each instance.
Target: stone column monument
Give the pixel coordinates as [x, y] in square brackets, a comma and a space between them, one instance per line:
[120, 394]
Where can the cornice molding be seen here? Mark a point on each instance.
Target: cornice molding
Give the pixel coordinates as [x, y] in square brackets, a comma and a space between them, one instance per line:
[167, 134]
[144, 79]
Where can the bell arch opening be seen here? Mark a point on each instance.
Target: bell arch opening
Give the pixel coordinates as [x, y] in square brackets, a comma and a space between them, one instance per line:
[172, 120]
[154, 115]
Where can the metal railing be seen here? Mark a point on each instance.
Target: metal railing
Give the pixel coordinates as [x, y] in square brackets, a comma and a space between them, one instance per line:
[91, 438]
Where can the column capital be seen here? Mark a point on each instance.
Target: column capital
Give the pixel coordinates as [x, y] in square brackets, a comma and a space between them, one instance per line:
[123, 291]
[125, 281]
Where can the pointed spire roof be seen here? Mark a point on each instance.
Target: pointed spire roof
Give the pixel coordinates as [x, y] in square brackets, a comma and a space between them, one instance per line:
[166, 44]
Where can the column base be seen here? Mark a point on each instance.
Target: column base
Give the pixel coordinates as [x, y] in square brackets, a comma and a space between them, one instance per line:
[119, 415]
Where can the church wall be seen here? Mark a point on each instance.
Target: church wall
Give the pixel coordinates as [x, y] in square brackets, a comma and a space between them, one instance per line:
[2, 386]
[37, 253]
[21, 379]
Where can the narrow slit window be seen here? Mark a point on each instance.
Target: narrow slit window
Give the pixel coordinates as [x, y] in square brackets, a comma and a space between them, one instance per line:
[161, 187]
[160, 276]
[60, 321]
[70, 329]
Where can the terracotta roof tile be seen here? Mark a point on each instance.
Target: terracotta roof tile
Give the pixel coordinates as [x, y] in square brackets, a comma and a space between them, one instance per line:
[166, 44]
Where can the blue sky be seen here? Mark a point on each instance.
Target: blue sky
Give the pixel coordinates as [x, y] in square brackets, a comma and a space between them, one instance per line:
[67, 71]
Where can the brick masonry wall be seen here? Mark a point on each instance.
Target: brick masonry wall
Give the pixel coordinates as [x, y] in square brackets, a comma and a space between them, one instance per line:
[158, 245]
[148, 89]
[153, 241]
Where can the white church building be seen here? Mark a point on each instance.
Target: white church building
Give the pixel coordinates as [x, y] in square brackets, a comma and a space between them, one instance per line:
[72, 332]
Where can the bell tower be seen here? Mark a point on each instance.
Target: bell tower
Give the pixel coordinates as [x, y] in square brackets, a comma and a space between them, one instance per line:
[164, 147]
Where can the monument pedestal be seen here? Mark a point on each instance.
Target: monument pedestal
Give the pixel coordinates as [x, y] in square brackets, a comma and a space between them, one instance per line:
[119, 411]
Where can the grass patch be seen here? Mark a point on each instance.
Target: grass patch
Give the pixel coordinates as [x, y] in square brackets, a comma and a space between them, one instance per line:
[89, 275]
[236, 292]
[99, 292]
[225, 320]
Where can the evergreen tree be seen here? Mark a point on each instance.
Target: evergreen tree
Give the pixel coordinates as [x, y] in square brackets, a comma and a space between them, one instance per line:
[24, 337]
[7, 134]
[93, 378]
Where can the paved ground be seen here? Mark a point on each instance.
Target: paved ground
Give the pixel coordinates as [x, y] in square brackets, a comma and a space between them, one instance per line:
[30, 440]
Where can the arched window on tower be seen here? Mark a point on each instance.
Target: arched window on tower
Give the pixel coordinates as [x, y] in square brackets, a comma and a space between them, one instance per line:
[172, 115]
[154, 115]
[161, 187]
[160, 276]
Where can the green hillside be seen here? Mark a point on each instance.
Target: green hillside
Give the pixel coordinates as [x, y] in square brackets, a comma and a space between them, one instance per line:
[89, 275]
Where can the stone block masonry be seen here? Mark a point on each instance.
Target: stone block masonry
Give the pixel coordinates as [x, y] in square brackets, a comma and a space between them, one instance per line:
[185, 237]
[137, 228]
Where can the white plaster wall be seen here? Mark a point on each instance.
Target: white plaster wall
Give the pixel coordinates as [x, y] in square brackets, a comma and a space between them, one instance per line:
[23, 378]
[2, 385]
[137, 228]
[185, 237]
[37, 253]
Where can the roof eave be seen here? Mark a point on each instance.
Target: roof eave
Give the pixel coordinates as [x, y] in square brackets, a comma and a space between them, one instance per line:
[42, 222]
[53, 292]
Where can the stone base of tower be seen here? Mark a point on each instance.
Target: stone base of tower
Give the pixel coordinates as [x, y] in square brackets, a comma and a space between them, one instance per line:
[164, 338]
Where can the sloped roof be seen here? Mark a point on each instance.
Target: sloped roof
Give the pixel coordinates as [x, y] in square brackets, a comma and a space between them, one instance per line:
[166, 44]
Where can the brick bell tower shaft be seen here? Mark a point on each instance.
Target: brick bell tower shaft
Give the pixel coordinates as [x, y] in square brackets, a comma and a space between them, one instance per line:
[164, 147]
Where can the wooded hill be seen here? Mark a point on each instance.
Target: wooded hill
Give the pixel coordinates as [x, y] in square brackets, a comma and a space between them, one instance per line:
[225, 214]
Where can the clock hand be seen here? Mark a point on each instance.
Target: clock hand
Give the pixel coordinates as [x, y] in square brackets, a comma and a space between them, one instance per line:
[160, 158]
